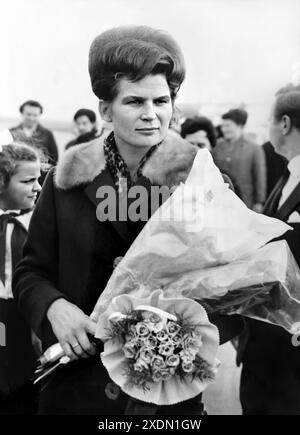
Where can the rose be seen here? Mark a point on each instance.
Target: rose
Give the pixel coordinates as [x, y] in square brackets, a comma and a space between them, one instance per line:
[158, 362]
[176, 340]
[162, 335]
[142, 329]
[129, 350]
[130, 338]
[150, 342]
[151, 317]
[173, 360]
[166, 374]
[187, 356]
[146, 355]
[187, 367]
[157, 327]
[140, 365]
[156, 377]
[173, 328]
[166, 349]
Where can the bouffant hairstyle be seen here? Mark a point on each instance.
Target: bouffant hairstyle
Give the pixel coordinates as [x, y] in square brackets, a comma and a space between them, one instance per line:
[10, 156]
[133, 52]
[31, 103]
[90, 114]
[191, 125]
[238, 116]
[288, 103]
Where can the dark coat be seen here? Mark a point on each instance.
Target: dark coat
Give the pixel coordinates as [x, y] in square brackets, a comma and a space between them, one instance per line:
[275, 165]
[270, 381]
[70, 254]
[17, 357]
[244, 162]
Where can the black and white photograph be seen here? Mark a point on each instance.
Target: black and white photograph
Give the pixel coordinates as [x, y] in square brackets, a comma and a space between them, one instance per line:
[149, 211]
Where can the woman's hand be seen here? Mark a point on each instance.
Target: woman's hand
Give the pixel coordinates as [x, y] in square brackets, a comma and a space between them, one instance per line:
[71, 326]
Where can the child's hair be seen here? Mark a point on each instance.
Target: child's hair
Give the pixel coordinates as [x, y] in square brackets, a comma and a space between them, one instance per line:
[10, 156]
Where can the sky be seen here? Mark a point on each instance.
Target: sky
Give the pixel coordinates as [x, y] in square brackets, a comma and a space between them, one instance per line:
[236, 51]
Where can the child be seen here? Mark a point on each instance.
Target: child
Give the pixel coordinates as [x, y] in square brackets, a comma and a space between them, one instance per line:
[19, 173]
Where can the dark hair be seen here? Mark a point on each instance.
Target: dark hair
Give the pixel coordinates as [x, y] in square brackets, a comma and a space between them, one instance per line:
[31, 103]
[90, 114]
[288, 103]
[238, 116]
[133, 52]
[10, 156]
[191, 125]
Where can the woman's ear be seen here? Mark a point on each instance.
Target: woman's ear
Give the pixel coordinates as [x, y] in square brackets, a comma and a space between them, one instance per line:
[286, 125]
[105, 110]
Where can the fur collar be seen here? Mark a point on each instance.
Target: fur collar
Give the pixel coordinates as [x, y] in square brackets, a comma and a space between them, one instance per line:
[168, 165]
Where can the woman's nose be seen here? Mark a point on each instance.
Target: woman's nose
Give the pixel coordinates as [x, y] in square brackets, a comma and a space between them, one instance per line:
[148, 113]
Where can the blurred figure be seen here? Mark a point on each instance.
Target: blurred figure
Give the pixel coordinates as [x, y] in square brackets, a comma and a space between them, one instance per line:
[270, 382]
[19, 172]
[199, 131]
[32, 133]
[241, 159]
[275, 164]
[86, 126]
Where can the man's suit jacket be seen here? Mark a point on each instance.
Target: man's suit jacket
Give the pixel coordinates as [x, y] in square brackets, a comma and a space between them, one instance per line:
[270, 382]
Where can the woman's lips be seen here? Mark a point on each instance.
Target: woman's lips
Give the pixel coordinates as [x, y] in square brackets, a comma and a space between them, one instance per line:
[147, 130]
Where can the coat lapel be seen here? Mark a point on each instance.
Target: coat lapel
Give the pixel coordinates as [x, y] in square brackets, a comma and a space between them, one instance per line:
[105, 179]
[272, 202]
[289, 205]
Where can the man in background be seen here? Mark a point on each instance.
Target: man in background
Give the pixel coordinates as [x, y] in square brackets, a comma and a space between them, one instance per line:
[86, 126]
[270, 381]
[32, 133]
[241, 159]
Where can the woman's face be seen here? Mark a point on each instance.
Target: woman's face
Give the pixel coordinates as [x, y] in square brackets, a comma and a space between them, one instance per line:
[141, 112]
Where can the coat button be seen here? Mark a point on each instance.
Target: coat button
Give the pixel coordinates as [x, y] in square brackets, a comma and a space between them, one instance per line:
[112, 391]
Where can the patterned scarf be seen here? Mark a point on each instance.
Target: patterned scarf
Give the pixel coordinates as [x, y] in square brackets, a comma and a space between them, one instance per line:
[117, 166]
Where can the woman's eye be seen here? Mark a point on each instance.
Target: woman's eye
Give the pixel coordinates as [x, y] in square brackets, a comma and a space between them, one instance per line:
[135, 102]
[160, 102]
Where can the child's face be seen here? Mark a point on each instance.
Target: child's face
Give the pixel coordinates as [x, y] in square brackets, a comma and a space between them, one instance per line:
[23, 187]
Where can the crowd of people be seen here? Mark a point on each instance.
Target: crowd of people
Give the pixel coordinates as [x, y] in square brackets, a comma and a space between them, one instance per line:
[48, 289]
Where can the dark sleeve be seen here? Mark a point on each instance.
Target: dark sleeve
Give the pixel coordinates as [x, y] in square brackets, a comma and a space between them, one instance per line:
[35, 279]
[259, 172]
[228, 326]
[52, 149]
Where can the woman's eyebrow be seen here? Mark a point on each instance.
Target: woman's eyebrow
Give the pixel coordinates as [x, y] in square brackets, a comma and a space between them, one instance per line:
[137, 97]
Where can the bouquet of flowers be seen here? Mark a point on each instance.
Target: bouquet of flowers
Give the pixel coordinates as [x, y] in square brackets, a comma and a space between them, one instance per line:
[160, 355]
[217, 253]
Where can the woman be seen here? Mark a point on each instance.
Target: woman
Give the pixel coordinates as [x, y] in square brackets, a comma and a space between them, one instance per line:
[135, 73]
